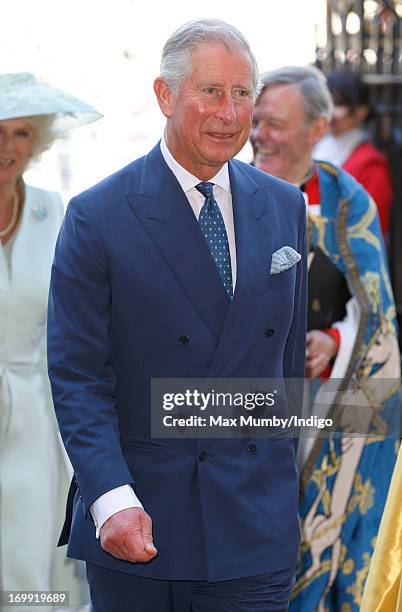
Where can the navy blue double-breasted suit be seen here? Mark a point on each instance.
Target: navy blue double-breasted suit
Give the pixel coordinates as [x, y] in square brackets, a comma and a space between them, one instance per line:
[132, 274]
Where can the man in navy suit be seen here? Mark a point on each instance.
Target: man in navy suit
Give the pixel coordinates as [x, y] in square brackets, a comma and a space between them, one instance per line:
[163, 271]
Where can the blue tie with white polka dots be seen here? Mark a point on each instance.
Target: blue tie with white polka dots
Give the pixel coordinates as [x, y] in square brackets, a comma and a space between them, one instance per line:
[213, 228]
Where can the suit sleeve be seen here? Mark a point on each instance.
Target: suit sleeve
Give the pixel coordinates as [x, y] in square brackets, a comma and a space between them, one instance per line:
[295, 350]
[80, 357]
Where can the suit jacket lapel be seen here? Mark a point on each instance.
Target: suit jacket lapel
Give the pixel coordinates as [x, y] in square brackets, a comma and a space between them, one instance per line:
[254, 231]
[162, 207]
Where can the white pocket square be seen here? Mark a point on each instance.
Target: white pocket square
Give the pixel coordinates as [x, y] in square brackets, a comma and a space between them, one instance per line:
[283, 259]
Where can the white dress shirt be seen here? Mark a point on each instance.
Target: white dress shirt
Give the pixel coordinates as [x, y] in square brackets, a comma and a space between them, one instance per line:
[124, 497]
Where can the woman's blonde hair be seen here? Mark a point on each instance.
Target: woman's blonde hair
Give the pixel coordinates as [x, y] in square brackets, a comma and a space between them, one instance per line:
[44, 133]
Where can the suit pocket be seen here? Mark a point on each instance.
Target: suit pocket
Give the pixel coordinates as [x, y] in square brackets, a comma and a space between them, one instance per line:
[143, 444]
[283, 280]
[146, 446]
[284, 434]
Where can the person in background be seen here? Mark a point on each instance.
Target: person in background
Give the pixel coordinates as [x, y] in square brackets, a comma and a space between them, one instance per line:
[348, 142]
[352, 335]
[34, 473]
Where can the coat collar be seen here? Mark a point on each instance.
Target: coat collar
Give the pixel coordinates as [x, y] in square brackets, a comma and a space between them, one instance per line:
[19, 237]
[186, 179]
[161, 206]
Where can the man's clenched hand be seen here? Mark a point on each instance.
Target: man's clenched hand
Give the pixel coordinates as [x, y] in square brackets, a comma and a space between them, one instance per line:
[127, 535]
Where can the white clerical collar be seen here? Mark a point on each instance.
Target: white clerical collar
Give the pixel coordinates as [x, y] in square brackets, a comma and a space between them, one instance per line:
[186, 179]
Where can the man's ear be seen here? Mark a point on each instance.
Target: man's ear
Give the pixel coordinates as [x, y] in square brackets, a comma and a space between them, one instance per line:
[165, 97]
[318, 128]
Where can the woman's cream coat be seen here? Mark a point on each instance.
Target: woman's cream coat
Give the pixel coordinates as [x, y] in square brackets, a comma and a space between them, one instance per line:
[33, 472]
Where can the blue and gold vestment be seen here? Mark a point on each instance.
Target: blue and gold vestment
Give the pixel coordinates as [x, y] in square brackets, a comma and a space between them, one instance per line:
[345, 481]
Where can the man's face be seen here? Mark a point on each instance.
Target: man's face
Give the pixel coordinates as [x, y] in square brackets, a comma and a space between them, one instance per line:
[209, 119]
[281, 135]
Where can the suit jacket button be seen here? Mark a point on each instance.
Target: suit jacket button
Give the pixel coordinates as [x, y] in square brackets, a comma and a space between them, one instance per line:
[252, 449]
[269, 332]
[202, 455]
[184, 339]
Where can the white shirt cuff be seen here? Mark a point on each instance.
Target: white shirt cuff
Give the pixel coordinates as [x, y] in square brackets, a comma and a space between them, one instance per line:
[111, 502]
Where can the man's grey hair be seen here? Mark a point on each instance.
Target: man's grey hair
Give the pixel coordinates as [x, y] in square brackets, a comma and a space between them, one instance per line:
[312, 85]
[176, 63]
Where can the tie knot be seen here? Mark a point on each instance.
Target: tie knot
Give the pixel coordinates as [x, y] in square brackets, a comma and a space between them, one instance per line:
[206, 189]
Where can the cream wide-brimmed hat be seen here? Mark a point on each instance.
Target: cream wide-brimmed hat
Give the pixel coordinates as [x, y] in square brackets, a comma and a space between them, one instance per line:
[22, 95]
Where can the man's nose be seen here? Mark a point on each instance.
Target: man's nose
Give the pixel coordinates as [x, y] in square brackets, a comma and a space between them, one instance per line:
[227, 110]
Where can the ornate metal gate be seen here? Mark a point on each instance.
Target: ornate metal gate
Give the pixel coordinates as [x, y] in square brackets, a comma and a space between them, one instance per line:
[365, 36]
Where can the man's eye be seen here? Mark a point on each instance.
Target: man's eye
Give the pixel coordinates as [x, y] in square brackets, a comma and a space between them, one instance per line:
[241, 93]
[22, 133]
[210, 90]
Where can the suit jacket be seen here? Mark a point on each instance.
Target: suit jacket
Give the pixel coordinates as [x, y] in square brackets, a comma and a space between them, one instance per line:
[132, 273]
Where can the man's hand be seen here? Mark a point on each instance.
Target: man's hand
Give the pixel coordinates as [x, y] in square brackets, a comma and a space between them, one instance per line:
[127, 535]
[321, 348]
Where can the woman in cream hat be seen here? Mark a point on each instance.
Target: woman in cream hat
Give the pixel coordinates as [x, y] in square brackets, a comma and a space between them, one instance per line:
[34, 473]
